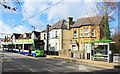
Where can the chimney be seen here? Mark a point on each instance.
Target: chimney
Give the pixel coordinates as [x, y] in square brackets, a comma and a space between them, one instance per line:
[70, 22]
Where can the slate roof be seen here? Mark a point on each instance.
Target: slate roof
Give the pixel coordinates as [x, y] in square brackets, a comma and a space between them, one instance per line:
[62, 24]
[16, 35]
[37, 34]
[88, 20]
[28, 36]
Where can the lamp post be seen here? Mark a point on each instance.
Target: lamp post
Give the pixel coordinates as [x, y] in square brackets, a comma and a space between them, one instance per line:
[34, 30]
[33, 27]
[47, 41]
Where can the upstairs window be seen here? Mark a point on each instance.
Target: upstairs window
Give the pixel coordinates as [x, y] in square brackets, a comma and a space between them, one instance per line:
[44, 36]
[74, 34]
[81, 45]
[93, 32]
[52, 34]
[81, 33]
[86, 32]
[56, 33]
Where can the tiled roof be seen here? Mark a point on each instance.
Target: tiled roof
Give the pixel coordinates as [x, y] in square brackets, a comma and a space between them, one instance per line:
[88, 20]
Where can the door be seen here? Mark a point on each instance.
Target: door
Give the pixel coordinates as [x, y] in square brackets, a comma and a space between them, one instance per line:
[30, 48]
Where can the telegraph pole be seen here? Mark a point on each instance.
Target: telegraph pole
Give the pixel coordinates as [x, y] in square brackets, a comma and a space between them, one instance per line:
[47, 42]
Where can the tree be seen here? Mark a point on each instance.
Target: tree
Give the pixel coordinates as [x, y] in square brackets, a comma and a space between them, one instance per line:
[116, 46]
[108, 9]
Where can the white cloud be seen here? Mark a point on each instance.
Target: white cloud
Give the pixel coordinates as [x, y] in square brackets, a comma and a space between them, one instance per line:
[4, 28]
[74, 9]
[31, 8]
[56, 13]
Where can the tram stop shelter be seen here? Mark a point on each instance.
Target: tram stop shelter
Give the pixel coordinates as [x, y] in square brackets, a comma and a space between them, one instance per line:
[99, 50]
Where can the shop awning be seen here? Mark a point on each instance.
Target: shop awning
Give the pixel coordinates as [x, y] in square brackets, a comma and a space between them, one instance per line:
[98, 41]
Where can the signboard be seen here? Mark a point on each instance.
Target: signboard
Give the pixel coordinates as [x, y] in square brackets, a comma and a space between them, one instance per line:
[88, 49]
[52, 48]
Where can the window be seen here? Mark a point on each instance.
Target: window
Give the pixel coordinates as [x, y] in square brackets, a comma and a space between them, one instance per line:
[56, 46]
[81, 33]
[52, 34]
[86, 32]
[74, 34]
[56, 35]
[74, 47]
[44, 36]
[81, 45]
[93, 32]
[49, 35]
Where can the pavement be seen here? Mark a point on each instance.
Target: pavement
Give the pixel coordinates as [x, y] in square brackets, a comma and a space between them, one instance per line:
[14, 62]
[88, 62]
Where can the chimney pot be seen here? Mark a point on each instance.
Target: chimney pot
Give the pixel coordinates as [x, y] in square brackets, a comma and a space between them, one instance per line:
[70, 22]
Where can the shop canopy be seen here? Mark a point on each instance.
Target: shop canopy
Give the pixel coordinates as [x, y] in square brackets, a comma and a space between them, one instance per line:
[101, 41]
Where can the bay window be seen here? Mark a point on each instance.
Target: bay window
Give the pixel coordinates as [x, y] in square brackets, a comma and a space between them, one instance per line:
[86, 32]
[93, 32]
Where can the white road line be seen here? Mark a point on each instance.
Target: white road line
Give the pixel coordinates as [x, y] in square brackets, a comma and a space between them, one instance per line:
[32, 70]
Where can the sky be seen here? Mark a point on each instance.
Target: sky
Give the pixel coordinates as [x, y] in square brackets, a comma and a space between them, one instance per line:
[10, 20]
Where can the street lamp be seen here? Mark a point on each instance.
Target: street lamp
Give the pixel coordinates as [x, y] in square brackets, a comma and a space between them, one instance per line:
[33, 27]
[34, 30]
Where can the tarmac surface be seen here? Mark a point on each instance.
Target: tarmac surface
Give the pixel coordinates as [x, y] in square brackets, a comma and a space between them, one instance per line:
[15, 62]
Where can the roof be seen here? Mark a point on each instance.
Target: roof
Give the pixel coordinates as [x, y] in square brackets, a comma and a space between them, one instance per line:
[62, 24]
[95, 20]
[16, 35]
[43, 30]
[27, 37]
[37, 34]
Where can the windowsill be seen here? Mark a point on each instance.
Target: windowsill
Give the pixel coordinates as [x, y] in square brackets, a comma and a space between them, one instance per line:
[87, 37]
[75, 38]
[55, 38]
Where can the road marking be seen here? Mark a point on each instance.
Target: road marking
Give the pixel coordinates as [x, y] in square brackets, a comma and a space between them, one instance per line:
[48, 70]
[60, 63]
[31, 70]
[32, 57]
[70, 67]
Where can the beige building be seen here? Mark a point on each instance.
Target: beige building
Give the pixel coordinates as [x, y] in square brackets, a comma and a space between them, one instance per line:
[59, 37]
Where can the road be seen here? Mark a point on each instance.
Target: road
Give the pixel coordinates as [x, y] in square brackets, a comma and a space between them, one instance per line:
[15, 62]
